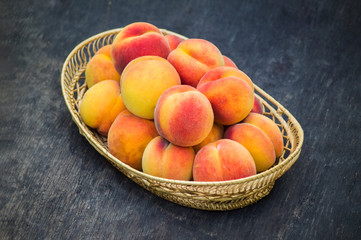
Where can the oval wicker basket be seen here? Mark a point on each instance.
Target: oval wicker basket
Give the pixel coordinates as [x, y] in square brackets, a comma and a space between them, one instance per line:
[225, 195]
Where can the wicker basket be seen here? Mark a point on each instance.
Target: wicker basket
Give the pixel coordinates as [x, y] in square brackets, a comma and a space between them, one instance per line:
[225, 195]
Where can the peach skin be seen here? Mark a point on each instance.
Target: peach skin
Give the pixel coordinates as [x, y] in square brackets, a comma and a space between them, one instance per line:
[232, 97]
[136, 40]
[128, 137]
[144, 82]
[215, 134]
[173, 41]
[164, 159]
[257, 106]
[226, 71]
[183, 116]
[270, 128]
[101, 104]
[100, 67]
[137, 60]
[228, 62]
[255, 141]
[223, 160]
[193, 58]
[141, 59]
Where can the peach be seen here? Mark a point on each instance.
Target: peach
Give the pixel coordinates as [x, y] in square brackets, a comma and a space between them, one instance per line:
[228, 62]
[255, 141]
[100, 67]
[223, 160]
[101, 104]
[164, 159]
[136, 40]
[226, 71]
[141, 59]
[231, 96]
[183, 116]
[173, 41]
[144, 82]
[269, 127]
[137, 60]
[193, 58]
[257, 106]
[128, 137]
[215, 134]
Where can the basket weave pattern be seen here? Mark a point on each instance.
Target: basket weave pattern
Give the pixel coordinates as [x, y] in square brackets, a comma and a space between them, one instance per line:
[225, 195]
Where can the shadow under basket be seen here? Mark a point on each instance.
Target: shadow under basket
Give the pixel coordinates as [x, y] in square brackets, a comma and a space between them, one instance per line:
[225, 195]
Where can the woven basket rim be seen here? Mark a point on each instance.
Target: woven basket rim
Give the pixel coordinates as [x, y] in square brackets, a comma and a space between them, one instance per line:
[105, 152]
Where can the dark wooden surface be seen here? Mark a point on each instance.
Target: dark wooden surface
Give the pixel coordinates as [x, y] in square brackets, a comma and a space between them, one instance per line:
[54, 185]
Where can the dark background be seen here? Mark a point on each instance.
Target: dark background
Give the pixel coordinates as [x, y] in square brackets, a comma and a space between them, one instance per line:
[54, 185]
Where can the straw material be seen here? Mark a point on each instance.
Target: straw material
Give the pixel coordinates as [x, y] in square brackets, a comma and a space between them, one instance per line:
[224, 195]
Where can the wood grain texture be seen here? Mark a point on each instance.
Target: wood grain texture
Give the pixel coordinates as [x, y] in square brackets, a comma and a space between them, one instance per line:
[54, 185]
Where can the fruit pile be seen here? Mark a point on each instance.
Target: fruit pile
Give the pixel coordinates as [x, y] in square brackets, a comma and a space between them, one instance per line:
[176, 108]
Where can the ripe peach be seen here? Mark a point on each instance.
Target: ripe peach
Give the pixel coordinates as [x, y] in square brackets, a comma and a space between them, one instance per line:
[231, 96]
[193, 58]
[141, 59]
[226, 71]
[128, 136]
[136, 40]
[215, 134]
[255, 141]
[100, 67]
[144, 82]
[101, 104]
[183, 116]
[173, 41]
[269, 127]
[223, 160]
[137, 60]
[228, 62]
[164, 159]
[257, 106]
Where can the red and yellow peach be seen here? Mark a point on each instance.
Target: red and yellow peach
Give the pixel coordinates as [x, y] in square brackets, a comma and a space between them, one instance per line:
[183, 116]
[173, 41]
[128, 137]
[270, 128]
[193, 58]
[223, 160]
[101, 104]
[257, 106]
[164, 159]
[228, 62]
[100, 67]
[143, 82]
[255, 141]
[230, 93]
[136, 40]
